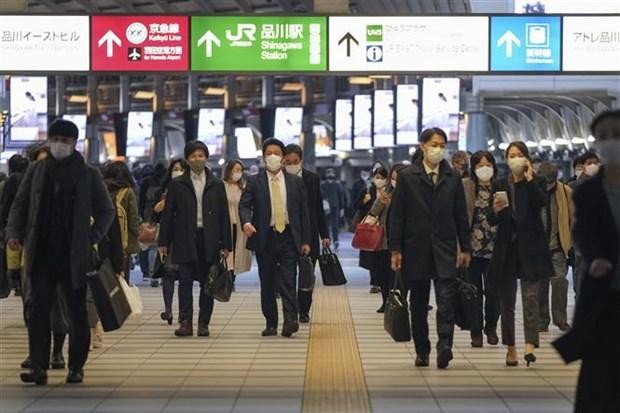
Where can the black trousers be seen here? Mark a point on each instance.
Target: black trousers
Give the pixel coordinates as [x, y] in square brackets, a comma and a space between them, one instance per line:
[304, 298]
[188, 273]
[381, 272]
[277, 269]
[334, 225]
[44, 281]
[598, 388]
[169, 278]
[478, 275]
[445, 295]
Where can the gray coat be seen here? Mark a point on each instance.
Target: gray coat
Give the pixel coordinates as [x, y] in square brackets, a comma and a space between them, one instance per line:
[92, 201]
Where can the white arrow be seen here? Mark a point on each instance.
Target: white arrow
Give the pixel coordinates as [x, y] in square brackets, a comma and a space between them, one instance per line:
[509, 39]
[210, 39]
[110, 39]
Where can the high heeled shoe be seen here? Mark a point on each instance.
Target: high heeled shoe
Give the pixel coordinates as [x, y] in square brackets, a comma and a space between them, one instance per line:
[530, 358]
[166, 317]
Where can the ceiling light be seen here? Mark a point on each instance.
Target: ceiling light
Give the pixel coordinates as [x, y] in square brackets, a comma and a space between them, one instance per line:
[77, 98]
[360, 80]
[380, 76]
[215, 91]
[143, 94]
[503, 146]
[292, 87]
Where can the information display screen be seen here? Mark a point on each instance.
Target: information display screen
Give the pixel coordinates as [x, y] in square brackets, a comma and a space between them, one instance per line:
[139, 133]
[246, 145]
[362, 122]
[323, 141]
[343, 124]
[288, 124]
[407, 114]
[211, 129]
[28, 108]
[383, 118]
[440, 105]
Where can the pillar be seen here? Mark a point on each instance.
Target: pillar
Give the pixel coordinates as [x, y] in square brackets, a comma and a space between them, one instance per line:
[230, 101]
[92, 139]
[60, 106]
[477, 131]
[159, 127]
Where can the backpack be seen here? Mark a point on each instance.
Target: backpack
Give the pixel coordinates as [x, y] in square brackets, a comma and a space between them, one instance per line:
[121, 212]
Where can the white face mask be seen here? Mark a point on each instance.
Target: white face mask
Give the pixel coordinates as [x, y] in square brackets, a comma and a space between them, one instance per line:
[176, 174]
[592, 169]
[484, 173]
[293, 169]
[393, 182]
[517, 165]
[435, 154]
[610, 151]
[379, 183]
[578, 173]
[61, 150]
[273, 163]
[236, 177]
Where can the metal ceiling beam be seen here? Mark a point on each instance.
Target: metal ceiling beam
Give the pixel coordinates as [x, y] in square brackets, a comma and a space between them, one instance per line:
[163, 5]
[88, 5]
[244, 5]
[285, 5]
[126, 6]
[205, 6]
[52, 6]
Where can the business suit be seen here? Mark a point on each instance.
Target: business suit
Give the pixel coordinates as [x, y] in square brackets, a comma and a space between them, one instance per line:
[427, 222]
[318, 229]
[277, 253]
[595, 335]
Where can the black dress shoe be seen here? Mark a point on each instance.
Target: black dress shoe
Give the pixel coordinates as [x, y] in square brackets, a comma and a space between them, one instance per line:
[564, 327]
[27, 363]
[492, 338]
[184, 330]
[289, 328]
[476, 340]
[381, 309]
[34, 375]
[304, 318]
[58, 361]
[203, 330]
[75, 376]
[270, 331]
[443, 358]
[166, 317]
[421, 360]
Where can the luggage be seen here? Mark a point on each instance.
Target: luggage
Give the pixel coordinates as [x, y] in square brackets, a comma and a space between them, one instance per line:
[396, 316]
[331, 270]
[306, 274]
[110, 300]
[467, 312]
[219, 281]
[368, 236]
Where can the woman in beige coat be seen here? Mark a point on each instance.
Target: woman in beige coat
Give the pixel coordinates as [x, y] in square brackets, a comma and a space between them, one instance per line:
[240, 260]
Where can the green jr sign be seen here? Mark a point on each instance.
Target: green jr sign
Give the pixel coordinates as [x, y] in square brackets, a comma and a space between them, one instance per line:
[257, 44]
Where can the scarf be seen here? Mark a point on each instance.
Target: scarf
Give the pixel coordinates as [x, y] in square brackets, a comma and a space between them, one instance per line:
[66, 172]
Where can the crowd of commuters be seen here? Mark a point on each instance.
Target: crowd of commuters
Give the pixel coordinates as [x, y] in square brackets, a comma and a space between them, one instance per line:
[444, 223]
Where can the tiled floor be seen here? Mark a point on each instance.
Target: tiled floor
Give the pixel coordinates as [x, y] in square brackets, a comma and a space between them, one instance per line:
[144, 368]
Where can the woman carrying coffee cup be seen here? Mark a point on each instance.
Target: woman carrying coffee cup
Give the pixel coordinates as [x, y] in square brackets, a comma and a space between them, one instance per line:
[521, 249]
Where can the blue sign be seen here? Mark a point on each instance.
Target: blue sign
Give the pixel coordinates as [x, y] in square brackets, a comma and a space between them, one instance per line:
[525, 43]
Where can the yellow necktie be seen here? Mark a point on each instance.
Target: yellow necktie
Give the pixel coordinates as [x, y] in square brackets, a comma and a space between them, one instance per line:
[278, 206]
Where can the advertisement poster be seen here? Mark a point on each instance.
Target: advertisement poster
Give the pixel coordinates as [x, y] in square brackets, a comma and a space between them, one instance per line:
[362, 122]
[211, 129]
[407, 114]
[139, 43]
[383, 125]
[139, 133]
[288, 124]
[441, 105]
[323, 144]
[343, 124]
[80, 122]
[28, 108]
[246, 144]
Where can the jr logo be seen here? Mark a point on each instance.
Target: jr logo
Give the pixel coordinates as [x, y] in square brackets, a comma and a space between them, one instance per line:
[244, 37]
[374, 33]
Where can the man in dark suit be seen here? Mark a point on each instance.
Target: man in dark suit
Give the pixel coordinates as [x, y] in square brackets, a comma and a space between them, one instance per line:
[428, 224]
[274, 216]
[293, 159]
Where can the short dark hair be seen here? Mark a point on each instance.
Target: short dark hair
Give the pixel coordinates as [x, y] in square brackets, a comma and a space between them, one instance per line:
[118, 171]
[64, 128]
[168, 173]
[427, 134]
[275, 142]
[578, 161]
[475, 160]
[397, 167]
[193, 146]
[607, 114]
[549, 170]
[381, 171]
[17, 163]
[521, 146]
[589, 155]
[294, 148]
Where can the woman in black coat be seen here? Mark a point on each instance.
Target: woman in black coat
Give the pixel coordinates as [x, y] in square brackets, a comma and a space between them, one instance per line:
[521, 249]
[595, 335]
[364, 203]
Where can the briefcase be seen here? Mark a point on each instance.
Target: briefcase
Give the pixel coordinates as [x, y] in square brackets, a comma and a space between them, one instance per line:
[110, 300]
[396, 315]
[331, 270]
[306, 274]
[467, 310]
[219, 281]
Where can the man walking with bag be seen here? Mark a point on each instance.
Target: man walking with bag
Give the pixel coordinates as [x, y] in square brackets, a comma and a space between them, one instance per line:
[51, 218]
[195, 228]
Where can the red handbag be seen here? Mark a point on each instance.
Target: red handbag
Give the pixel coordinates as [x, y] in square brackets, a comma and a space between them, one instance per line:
[368, 236]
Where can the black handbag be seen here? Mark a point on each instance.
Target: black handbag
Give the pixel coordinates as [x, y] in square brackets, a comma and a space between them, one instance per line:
[396, 316]
[110, 300]
[467, 314]
[331, 270]
[219, 281]
[306, 274]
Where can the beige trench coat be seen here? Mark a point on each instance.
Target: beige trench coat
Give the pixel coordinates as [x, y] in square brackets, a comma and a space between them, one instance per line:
[240, 260]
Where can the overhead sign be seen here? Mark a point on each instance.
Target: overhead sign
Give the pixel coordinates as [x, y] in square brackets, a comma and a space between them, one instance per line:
[591, 43]
[140, 43]
[249, 43]
[44, 43]
[406, 44]
[525, 43]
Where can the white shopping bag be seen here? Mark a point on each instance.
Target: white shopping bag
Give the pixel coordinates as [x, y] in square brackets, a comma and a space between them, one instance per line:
[133, 296]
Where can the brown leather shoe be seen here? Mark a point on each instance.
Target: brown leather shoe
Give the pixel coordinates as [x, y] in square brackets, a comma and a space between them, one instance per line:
[512, 359]
[203, 329]
[476, 339]
[184, 330]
